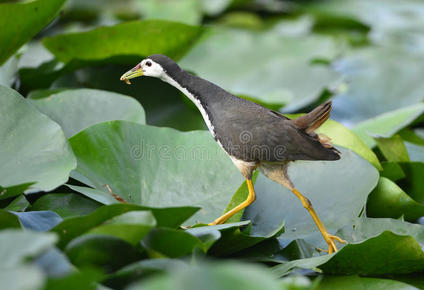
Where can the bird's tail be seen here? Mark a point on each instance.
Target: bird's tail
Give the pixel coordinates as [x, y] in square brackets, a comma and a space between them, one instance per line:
[313, 120]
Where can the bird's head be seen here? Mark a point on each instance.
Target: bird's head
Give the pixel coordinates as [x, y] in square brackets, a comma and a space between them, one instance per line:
[153, 66]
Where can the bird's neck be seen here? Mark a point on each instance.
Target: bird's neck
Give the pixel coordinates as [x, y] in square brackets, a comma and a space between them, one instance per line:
[183, 82]
[196, 89]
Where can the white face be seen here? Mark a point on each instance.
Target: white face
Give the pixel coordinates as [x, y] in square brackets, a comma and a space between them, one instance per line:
[151, 68]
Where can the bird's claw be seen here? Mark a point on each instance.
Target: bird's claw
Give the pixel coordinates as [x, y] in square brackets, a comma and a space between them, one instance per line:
[329, 238]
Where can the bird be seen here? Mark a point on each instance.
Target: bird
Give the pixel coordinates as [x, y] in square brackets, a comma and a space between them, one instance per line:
[253, 136]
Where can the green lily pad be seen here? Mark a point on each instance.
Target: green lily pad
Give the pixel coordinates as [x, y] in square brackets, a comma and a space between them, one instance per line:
[87, 12]
[131, 226]
[387, 253]
[66, 204]
[19, 204]
[392, 171]
[272, 73]
[34, 148]
[185, 11]
[376, 79]
[13, 191]
[234, 239]
[367, 239]
[34, 54]
[387, 124]
[366, 228]
[171, 243]
[125, 43]
[28, 19]
[8, 72]
[393, 148]
[415, 152]
[133, 234]
[412, 135]
[413, 182]
[134, 40]
[239, 19]
[413, 280]
[357, 282]
[363, 229]
[44, 93]
[389, 200]
[39, 221]
[102, 196]
[15, 246]
[214, 8]
[142, 269]
[210, 234]
[157, 167]
[22, 277]
[308, 263]
[218, 275]
[75, 110]
[83, 280]
[8, 220]
[73, 227]
[338, 191]
[392, 22]
[104, 252]
[43, 76]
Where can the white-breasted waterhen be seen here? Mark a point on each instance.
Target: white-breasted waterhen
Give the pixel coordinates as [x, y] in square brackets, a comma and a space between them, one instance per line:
[252, 135]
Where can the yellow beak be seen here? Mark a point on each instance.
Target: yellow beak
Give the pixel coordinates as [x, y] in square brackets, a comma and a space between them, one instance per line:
[132, 73]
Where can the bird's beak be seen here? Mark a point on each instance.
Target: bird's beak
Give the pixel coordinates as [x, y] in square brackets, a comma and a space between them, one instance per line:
[132, 73]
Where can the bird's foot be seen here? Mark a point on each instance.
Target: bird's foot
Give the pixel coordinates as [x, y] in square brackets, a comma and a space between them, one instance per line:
[330, 239]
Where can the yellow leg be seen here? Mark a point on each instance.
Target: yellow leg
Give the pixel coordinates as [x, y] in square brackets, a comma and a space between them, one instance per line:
[250, 198]
[329, 238]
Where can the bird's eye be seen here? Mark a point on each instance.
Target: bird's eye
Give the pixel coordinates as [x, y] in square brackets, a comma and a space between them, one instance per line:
[148, 63]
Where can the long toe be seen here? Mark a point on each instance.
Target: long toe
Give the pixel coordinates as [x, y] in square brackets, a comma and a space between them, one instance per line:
[330, 239]
[340, 240]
